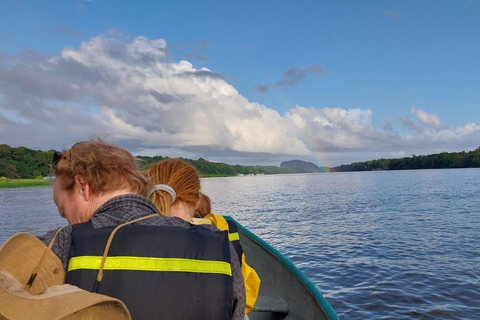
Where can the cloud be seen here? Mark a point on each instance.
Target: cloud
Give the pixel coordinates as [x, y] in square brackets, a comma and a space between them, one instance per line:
[80, 7]
[192, 50]
[394, 13]
[337, 128]
[197, 57]
[292, 77]
[67, 31]
[410, 124]
[262, 89]
[132, 91]
[388, 127]
[430, 120]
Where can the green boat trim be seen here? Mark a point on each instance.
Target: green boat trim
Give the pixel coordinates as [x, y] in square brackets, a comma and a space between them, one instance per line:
[328, 310]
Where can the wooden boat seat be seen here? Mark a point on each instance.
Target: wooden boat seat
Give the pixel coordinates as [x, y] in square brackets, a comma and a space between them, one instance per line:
[273, 304]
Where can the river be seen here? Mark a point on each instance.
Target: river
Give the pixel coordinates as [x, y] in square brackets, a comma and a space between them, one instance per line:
[378, 245]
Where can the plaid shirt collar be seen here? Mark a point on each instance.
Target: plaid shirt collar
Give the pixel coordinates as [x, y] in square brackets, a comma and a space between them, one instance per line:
[121, 209]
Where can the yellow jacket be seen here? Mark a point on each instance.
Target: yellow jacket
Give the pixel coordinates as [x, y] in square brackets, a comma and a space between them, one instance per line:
[250, 276]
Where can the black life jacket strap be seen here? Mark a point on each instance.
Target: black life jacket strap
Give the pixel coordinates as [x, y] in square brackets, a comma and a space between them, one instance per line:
[233, 229]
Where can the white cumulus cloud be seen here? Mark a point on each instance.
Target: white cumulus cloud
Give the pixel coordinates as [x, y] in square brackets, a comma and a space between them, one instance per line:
[132, 91]
[430, 120]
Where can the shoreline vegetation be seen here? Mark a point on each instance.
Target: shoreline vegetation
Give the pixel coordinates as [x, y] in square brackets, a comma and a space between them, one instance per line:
[24, 167]
[22, 183]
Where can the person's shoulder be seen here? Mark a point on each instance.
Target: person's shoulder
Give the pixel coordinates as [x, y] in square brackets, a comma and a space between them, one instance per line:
[209, 227]
[176, 222]
[166, 221]
[48, 236]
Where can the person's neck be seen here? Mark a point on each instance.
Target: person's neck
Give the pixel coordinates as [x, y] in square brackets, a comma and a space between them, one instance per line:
[97, 201]
[182, 210]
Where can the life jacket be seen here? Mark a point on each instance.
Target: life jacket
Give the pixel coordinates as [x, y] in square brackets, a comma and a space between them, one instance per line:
[159, 272]
[250, 276]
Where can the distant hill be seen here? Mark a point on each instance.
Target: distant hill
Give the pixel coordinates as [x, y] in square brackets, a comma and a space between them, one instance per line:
[299, 166]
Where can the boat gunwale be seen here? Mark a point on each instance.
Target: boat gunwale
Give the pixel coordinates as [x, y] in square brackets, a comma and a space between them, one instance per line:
[309, 285]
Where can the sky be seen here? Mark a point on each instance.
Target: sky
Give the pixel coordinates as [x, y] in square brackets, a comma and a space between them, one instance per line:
[244, 82]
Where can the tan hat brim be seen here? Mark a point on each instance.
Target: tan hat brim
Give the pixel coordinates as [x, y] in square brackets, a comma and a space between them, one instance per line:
[57, 302]
[23, 254]
[48, 298]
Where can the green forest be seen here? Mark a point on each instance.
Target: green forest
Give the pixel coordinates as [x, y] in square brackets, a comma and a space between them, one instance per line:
[444, 160]
[24, 163]
[208, 168]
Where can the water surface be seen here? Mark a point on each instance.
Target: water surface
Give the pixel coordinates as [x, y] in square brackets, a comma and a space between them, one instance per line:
[378, 245]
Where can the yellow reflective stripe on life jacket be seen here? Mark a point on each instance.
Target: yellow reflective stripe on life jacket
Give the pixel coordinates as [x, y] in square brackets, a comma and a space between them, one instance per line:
[233, 236]
[150, 264]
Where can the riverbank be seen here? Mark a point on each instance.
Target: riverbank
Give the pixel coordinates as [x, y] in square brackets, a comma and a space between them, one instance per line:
[22, 183]
[25, 183]
[213, 175]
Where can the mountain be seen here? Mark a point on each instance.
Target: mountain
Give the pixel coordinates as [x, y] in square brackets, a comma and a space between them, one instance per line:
[299, 166]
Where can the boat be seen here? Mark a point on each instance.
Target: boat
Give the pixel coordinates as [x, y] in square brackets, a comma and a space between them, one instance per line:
[285, 292]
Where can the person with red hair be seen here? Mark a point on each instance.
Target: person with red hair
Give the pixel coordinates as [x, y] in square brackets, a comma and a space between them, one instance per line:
[115, 241]
[176, 193]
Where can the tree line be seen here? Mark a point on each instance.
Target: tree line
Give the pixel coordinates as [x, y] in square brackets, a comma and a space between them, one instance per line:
[209, 168]
[25, 163]
[444, 160]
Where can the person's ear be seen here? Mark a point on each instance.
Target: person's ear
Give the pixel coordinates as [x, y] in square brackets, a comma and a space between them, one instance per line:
[83, 188]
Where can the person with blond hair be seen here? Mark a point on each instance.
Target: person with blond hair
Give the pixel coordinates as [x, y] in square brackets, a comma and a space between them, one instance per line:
[118, 245]
[176, 193]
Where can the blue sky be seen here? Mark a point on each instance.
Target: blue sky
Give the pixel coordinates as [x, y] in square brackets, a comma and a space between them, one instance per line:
[252, 82]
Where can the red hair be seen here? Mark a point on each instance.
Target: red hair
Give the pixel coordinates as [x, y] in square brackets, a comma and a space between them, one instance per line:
[104, 166]
[181, 177]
